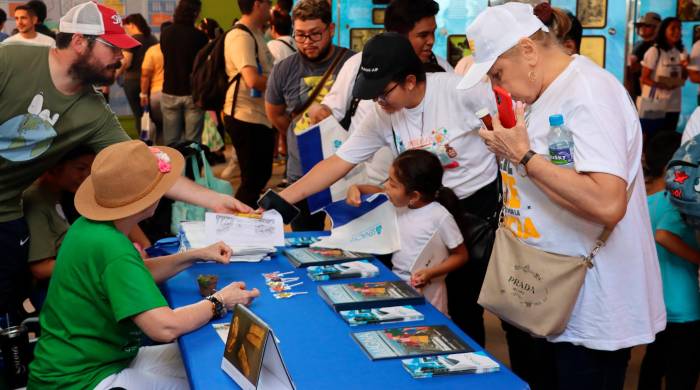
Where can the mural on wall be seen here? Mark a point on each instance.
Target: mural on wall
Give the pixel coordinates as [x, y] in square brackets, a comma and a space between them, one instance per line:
[688, 10]
[593, 47]
[592, 13]
[360, 36]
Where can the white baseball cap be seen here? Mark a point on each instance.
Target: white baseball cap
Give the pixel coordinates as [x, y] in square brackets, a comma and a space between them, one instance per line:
[90, 18]
[495, 31]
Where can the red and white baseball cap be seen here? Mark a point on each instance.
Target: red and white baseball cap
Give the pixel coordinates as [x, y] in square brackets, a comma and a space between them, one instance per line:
[90, 18]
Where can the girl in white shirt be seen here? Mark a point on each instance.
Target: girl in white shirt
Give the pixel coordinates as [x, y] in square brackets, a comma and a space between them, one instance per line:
[665, 70]
[426, 212]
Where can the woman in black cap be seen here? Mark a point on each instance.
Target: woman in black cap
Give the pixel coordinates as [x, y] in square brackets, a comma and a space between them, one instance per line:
[415, 110]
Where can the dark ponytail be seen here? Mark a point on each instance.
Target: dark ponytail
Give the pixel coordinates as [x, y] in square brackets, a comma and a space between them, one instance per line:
[419, 170]
[449, 200]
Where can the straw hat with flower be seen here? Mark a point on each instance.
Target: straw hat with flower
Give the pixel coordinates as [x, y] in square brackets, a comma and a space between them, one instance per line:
[126, 178]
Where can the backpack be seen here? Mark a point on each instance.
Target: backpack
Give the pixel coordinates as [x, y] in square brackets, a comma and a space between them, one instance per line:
[209, 79]
[683, 181]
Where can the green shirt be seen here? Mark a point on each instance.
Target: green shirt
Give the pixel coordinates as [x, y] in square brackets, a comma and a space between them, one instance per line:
[99, 283]
[39, 124]
[46, 221]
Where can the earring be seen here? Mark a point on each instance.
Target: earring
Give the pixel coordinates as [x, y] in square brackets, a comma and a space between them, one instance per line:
[531, 76]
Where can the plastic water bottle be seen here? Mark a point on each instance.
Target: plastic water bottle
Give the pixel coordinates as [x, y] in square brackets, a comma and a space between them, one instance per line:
[254, 92]
[561, 142]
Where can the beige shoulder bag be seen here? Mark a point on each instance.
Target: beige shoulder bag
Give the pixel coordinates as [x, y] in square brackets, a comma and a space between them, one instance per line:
[532, 289]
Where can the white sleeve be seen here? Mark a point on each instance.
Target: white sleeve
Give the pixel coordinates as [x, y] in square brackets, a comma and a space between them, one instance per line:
[369, 137]
[692, 128]
[600, 136]
[694, 63]
[651, 57]
[449, 232]
[339, 97]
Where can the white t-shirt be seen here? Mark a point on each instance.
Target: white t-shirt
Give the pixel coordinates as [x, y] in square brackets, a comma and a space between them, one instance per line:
[669, 65]
[692, 127]
[416, 228]
[445, 122]
[279, 49]
[694, 60]
[338, 101]
[39, 40]
[621, 302]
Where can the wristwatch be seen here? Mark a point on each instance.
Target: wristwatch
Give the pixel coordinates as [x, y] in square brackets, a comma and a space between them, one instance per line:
[521, 168]
[219, 309]
[143, 95]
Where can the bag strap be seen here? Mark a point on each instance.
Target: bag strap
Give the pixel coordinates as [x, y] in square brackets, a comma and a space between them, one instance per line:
[292, 48]
[314, 94]
[237, 78]
[605, 235]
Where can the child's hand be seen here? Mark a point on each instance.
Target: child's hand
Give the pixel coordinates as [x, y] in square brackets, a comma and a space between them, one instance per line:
[421, 278]
[354, 197]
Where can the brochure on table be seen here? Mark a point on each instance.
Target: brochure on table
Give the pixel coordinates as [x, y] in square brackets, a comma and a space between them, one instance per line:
[410, 341]
[241, 231]
[193, 236]
[355, 296]
[251, 357]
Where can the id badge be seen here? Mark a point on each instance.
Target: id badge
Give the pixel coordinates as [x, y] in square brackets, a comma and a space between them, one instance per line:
[438, 144]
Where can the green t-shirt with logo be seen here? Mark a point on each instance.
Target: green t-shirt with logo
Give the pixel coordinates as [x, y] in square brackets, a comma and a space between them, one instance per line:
[87, 333]
[39, 124]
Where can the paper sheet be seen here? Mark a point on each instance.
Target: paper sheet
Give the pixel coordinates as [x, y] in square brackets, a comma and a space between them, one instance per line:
[239, 231]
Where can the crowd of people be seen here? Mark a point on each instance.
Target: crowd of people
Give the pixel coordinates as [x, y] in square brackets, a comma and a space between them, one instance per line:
[78, 187]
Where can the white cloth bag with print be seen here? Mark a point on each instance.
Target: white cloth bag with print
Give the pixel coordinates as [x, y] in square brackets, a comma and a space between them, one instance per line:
[372, 228]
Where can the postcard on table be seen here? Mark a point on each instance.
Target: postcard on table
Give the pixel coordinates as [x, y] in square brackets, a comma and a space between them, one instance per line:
[251, 357]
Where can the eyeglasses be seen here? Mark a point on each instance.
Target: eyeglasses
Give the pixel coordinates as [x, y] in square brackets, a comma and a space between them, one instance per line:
[313, 37]
[382, 98]
[102, 41]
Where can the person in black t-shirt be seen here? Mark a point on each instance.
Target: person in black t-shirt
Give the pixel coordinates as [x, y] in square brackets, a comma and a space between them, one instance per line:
[180, 43]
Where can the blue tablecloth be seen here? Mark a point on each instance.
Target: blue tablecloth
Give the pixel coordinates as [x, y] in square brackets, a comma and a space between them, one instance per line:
[315, 343]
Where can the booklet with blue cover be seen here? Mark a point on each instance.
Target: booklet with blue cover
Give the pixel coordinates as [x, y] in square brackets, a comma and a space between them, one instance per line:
[351, 269]
[460, 363]
[410, 341]
[381, 315]
[354, 296]
[305, 257]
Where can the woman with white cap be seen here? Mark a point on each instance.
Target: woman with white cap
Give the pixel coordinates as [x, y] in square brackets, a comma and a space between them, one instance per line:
[563, 210]
[102, 295]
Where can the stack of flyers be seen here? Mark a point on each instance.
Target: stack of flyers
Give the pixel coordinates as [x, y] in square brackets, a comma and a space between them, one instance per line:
[351, 269]
[381, 315]
[459, 363]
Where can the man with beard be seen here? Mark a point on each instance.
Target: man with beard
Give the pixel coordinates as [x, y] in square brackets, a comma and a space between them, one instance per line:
[295, 84]
[51, 107]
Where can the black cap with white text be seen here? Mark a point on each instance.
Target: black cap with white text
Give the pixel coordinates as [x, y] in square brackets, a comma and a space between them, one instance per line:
[383, 57]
